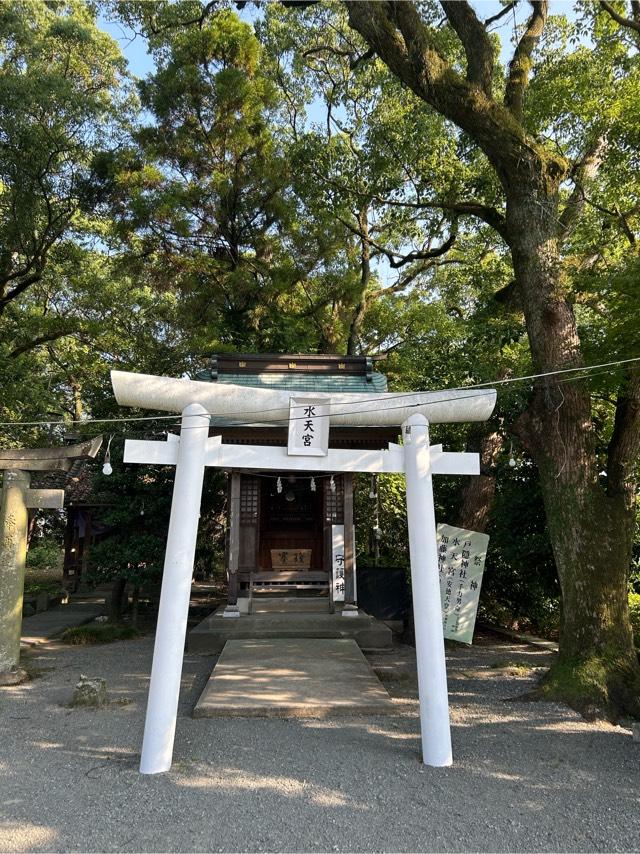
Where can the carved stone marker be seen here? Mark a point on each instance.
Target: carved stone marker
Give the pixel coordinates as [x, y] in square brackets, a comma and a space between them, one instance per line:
[90, 692]
[17, 499]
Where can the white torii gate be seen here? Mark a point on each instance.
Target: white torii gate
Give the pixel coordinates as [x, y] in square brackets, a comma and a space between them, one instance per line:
[193, 450]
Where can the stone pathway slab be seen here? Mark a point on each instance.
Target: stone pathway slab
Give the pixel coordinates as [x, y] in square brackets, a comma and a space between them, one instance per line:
[292, 677]
[48, 624]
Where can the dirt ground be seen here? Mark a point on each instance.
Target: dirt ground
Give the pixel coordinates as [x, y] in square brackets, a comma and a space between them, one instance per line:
[526, 776]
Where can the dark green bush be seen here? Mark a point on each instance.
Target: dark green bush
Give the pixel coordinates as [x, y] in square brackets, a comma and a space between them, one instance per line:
[98, 633]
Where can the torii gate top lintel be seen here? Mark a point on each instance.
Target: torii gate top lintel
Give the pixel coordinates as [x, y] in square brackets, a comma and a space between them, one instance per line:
[48, 459]
[272, 405]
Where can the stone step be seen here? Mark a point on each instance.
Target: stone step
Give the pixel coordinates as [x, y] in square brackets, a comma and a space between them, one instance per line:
[214, 631]
[263, 604]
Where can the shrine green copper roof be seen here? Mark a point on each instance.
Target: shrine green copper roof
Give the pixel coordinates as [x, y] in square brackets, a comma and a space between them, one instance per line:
[371, 384]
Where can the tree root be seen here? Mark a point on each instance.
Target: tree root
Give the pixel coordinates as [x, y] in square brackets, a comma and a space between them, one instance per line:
[597, 687]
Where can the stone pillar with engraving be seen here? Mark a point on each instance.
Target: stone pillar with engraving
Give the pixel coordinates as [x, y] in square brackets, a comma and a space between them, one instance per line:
[17, 499]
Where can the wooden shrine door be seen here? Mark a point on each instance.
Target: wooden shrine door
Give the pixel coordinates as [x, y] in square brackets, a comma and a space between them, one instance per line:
[291, 519]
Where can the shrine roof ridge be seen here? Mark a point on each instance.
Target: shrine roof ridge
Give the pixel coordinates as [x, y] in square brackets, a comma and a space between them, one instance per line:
[375, 383]
[303, 372]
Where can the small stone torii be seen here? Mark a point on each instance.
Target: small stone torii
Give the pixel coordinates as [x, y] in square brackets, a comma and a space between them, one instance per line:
[193, 450]
[17, 499]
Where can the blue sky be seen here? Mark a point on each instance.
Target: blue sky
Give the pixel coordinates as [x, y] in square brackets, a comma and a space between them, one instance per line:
[134, 47]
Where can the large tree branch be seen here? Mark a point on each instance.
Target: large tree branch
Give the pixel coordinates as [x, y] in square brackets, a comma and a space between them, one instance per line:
[621, 217]
[624, 446]
[37, 342]
[630, 23]
[487, 213]
[407, 45]
[583, 173]
[475, 41]
[19, 288]
[521, 63]
[405, 281]
[354, 61]
[396, 259]
[504, 11]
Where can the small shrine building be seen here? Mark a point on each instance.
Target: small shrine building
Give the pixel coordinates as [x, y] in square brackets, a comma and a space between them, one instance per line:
[282, 525]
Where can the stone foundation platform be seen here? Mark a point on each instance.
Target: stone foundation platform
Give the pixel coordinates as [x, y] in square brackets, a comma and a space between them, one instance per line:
[214, 631]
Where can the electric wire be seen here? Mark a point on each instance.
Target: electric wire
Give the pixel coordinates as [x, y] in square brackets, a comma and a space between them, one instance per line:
[283, 422]
[586, 371]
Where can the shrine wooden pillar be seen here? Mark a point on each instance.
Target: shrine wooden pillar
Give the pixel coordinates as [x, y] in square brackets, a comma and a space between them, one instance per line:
[86, 546]
[69, 536]
[350, 598]
[233, 556]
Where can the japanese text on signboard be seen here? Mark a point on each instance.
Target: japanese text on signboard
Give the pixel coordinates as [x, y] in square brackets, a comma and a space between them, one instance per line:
[337, 562]
[461, 558]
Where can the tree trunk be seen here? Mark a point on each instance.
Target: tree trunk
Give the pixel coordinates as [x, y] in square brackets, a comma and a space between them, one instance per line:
[31, 527]
[78, 409]
[590, 529]
[478, 492]
[365, 278]
[591, 533]
[597, 669]
[135, 601]
[116, 600]
[332, 335]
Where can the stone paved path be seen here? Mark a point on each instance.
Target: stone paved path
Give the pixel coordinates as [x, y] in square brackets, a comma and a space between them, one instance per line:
[304, 678]
[48, 624]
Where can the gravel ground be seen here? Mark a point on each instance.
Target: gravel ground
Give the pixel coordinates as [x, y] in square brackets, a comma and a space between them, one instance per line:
[527, 776]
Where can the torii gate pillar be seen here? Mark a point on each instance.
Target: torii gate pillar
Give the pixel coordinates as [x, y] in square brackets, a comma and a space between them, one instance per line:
[425, 586]
[14, 521]
[17, 500]
[164, 690]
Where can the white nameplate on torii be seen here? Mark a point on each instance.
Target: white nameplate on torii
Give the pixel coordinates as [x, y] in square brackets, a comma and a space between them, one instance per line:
[269, 458]
[308, 426]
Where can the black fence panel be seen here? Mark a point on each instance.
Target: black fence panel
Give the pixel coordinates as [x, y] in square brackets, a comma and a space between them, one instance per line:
[383, 592]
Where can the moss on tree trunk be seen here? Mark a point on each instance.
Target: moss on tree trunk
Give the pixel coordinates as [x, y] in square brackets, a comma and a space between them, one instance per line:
[597, 670]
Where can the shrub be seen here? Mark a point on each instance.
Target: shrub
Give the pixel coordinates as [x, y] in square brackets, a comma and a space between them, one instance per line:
[98, 633]
[43, 554]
